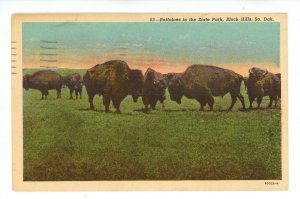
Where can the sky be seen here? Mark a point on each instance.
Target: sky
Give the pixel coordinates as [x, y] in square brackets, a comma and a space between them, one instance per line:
[166, 47]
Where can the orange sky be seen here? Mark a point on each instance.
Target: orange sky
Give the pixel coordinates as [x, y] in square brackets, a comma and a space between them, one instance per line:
[160, 65]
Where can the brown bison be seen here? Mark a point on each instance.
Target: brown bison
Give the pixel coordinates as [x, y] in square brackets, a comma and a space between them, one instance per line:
[202, 82]
[114, 80]
[154, 88]
[43, 81]
[74, 82]
[262, 83]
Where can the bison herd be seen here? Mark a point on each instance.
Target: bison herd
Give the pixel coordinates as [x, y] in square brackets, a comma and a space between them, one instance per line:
[114, 80]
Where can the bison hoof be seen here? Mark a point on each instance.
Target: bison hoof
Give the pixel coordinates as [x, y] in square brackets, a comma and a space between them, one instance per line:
[118, 112]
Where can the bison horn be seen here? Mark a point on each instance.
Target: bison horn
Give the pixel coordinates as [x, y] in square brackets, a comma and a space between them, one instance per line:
[266, 72]
[251, 70]
[126, 76]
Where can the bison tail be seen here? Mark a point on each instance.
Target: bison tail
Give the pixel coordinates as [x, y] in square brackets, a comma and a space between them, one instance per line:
[241, 78]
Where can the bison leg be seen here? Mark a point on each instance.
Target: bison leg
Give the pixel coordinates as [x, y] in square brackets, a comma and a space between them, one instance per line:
[46, 94]
[276, 100]
[91, 99]
[271, 101]
[207, 97]
[42, 92]
[251, 99]
[233, 101]
[145, 101]
[153, 104]
[146, 106]
[202, 104]
[76, 93]
[259, 100]
[80, 91]
[58, 93]
[241, 98]
[106, 102]
[71, 93]
[211, 102]
[116, 103]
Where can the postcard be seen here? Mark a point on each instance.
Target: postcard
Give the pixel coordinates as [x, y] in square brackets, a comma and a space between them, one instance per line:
[149, 102]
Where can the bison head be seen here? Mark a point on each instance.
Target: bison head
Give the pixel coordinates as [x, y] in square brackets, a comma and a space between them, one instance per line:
[78, 84]
[176, 89]
[257, 73]
[134, 80]
[156, 84]
[26, 81]
[260, 87]
[168, 77]
[161, 87]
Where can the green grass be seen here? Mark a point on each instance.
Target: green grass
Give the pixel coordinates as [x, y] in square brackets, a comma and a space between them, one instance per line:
[64, 140]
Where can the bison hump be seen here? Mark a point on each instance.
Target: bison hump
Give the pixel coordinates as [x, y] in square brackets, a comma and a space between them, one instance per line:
[44, 72]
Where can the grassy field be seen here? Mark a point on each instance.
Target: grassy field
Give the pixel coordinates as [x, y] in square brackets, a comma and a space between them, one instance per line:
[64, 140]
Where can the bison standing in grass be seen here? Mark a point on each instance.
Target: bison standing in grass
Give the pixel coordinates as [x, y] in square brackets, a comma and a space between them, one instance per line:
[154, 88]
[262, 83]
[74, 82]
[43, 81]
[203, 82]
[114, 80]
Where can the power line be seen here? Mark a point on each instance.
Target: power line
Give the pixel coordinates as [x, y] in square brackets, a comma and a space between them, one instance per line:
[48, 60]
[48, 54]
[47, 41]
[43, 47]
